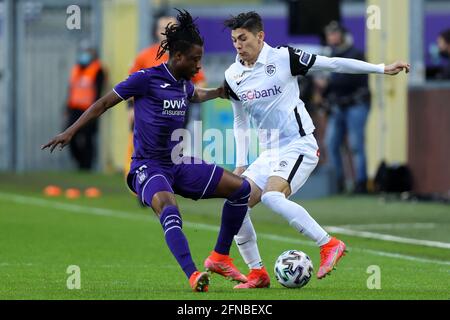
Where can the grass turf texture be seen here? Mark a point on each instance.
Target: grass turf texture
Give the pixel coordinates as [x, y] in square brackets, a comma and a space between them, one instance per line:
[122, 254]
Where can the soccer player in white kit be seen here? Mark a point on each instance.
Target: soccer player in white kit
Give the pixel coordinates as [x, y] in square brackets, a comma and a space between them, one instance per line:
[264, 91]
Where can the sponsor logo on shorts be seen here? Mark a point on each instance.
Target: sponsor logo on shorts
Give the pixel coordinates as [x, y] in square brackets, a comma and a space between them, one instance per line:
[281, 166]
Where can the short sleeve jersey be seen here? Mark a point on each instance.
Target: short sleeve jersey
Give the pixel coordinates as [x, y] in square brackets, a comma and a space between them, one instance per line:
[161, 103]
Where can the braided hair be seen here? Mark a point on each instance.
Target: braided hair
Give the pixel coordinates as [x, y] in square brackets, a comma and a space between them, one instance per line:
[181, 36]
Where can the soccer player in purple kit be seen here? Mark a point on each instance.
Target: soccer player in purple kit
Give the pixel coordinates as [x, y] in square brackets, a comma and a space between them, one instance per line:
[162, 95]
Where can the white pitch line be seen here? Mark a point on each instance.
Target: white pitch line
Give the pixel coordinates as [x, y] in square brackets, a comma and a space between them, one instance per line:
[387, 237]
[10, 197]
[402, 256]
[392, 226]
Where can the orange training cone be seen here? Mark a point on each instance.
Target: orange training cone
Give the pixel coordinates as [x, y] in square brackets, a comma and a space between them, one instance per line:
[52, 191]
[92, 192]
[73, 193]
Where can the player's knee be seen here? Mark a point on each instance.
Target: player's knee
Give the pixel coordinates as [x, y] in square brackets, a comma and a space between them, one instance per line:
[252, 202]
[272, 198]
[242, 195]
[160, 201]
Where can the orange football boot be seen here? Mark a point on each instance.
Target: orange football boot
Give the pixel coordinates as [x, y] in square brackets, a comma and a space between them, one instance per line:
[223, 265]
[257, 278]
[199, 281]
[330, 253]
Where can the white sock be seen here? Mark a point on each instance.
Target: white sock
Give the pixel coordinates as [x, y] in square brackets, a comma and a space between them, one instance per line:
[246, 243]
[296, 215]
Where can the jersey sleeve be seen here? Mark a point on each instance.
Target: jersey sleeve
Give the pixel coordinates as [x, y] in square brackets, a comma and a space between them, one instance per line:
[135, 85]
[300, 61]
[344, 65]
[229, 91]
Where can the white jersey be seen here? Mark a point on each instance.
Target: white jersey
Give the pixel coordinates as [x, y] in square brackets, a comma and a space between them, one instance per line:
[268, 95]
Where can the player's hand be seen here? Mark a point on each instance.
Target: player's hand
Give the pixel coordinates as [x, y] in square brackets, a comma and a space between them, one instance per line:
[396, 68]
[61, 139]
[239, 170]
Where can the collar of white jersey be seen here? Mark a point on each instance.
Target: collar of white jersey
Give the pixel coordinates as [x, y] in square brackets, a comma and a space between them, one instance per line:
[262, 57]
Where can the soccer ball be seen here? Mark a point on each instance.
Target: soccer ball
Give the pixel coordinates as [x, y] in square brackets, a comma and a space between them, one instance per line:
[293, 269]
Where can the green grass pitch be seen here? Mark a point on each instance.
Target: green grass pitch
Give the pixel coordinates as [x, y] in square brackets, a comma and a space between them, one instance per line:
[121, 252]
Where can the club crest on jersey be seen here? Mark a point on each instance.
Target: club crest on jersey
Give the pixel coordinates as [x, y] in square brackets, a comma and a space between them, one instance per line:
[271, 69]
[283, 164]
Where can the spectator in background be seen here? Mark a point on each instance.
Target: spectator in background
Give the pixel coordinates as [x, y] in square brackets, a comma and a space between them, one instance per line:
[147, 59]
[86, 82]
[443, 42]
[348, 98]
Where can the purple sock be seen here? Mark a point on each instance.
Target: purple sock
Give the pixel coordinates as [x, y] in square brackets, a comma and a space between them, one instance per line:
[176, 241]
[233, 213]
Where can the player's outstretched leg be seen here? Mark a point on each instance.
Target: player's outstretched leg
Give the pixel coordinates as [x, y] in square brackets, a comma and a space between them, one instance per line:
[237, 193]
[331, 249]
[172, 224]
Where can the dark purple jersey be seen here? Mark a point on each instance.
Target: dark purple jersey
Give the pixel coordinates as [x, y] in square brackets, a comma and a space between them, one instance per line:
[160, 104]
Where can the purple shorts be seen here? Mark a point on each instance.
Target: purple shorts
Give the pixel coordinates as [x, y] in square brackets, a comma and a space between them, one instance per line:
[193, 180]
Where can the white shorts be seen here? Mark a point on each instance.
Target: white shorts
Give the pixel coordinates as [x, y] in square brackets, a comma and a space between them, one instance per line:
[293, 162]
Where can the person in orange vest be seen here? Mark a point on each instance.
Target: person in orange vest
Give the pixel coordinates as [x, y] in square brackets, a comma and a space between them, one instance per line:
[85, 87]
[147, 58]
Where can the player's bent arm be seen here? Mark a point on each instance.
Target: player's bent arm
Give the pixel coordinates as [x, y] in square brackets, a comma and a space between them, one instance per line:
[241, 127]
[205, 94]
[353, 66]
[94, 111]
